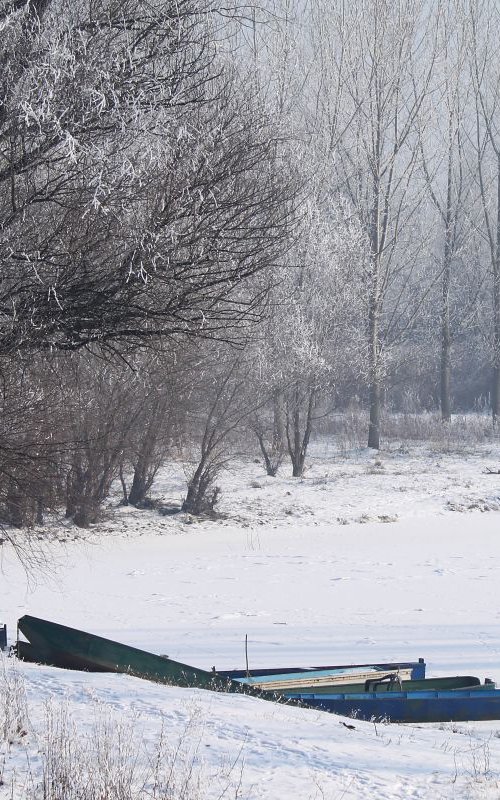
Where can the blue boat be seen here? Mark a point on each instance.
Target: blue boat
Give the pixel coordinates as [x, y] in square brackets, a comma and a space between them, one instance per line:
[458, 705]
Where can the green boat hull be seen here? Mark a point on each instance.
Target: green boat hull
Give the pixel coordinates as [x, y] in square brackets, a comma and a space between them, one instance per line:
[61, 646]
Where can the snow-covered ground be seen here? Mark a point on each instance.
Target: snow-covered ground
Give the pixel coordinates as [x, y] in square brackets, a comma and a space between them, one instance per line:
[392, 556]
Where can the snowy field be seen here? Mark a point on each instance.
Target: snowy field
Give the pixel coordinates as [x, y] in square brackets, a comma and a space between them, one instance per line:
[368, 558]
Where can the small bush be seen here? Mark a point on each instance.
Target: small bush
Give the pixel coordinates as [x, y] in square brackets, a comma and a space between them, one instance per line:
[14, 723]
[465, 431]
[106, 757]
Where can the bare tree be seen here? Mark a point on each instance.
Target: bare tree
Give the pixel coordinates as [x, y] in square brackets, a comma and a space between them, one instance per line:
[314, 329]
[485, 68]
[140, 198]
[375, 61]
[220, 409]
[152, 445]
[138, 186]
[443, 142]
[103, 402]
[33, 443]
[164, 381]
[268, 425]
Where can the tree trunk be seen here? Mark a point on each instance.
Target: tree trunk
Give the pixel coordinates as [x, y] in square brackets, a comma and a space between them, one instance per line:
[297, 455]
[74, 480]
[445, 377]
[445, 383]
[278, 423]
[374, 426]
[40, 508]
[375, 299]
[375, 383]
[271, 465]
[495, 388]
[298, 443]
[15, 506]
[445, 370]
[200, 498]
[139, 486]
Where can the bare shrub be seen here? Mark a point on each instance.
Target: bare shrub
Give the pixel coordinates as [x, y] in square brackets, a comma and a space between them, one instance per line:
[14, 721]
[220, 409]
[101, 764]
[269, 428]
[462, 432]
[114, 760]
[349, 428]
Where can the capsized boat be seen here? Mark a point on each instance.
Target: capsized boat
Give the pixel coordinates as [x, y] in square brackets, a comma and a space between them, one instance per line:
[459, 705]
